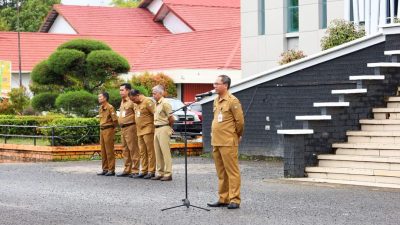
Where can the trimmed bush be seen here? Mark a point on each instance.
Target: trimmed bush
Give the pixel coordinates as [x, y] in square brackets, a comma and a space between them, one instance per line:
[340, 32]
[74, 136]
[115, 98]
[42, 74]
[19, 99]
[24, 121]
[142, 90]
[149, 80]
[44, 101]
[66, 61]
[290, 56]
[81, 103]
[84, 45]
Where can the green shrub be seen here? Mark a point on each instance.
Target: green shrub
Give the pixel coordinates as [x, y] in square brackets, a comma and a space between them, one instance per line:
[44, 101]
[12, 121]
[290, 56]
[115, 98]
[142, 90]
[339, 32]
[104, 61]
[19, 99]
[81, 103]
[149, 80]
[84, 45]
[77, 135]
[42, 74]
[66, 61]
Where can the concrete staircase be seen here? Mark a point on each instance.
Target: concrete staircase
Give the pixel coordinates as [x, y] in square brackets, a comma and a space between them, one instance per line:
[371, 157]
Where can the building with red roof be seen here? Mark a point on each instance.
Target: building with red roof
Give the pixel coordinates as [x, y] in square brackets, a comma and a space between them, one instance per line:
[190, 41]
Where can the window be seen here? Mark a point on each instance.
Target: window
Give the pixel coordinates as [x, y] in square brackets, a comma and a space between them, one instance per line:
[323, 14]
[293, 16]
[261, 17]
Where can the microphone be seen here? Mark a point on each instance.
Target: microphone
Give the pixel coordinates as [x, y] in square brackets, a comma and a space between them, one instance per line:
[204, 94]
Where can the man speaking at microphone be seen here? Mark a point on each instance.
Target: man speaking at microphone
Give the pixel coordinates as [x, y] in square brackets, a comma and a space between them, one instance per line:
[226, 132]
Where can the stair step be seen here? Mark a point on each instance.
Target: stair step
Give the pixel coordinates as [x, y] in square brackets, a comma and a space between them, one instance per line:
[367, 77]
[359, 165]
[331, 104]
[346, 182]
[367, 172]
[356, 177]
[379, 122]
[349, 91]
[393, 104]
[393, 99]
[358, 158]
[384, 64]
[374, 133]
[377, 146]
[386, 110]
[314, 117]
[392, 52]
[368, 152]
[296, 131]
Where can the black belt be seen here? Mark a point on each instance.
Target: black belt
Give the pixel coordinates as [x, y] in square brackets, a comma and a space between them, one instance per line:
[158, 126]
[127, 125]
[106, 127]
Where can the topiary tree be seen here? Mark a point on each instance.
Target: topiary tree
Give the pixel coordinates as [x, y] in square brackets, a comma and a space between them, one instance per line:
[290, 56]
[81, 103]
[339, 32]
[44, 101]
[79, 64]
[149, 80]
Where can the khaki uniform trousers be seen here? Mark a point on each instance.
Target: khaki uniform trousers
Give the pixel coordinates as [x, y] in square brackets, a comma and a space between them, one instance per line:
[147, 154]
[227, 166]
[162, 138]
[131, 149]
[107, 149]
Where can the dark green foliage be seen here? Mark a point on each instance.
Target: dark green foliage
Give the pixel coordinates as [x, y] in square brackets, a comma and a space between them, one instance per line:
[84, 45]
[115, 98]
[77, 135]
[44, 101]
[42, 74]
[19, 100]
[81, 103]
[141, 89]
[340, 32]
[66, 61]
[24, 121]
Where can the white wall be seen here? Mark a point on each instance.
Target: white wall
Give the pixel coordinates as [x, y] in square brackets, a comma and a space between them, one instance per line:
[174, 24]
[154, 6]
[61, 26]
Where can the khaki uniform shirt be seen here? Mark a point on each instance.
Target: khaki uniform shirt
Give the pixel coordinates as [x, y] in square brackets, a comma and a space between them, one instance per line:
[144, 115]
[107, 115]
[163, 112]
[126, 112]
[227, 125]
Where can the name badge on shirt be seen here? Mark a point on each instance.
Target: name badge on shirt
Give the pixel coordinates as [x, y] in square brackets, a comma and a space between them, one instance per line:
[138, 113]
[123, 113]
[220, 118]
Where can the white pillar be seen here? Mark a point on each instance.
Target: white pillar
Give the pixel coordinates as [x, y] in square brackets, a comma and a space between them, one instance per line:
[374, 9]
[347, 10]
[367, 7]
[391, 11]
[382, 13]
[356, 11]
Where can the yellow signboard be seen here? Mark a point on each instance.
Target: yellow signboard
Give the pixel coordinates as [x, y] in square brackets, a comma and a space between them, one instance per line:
[5, 76]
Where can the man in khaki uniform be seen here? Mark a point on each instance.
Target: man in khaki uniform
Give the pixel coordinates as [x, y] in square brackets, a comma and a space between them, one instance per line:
[108, 122]
[226, 132]
[144, 116]
[129, 138]
[163, 122]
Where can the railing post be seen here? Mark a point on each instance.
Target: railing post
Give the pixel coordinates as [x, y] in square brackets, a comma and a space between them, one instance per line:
[34, 136]
[52, 136]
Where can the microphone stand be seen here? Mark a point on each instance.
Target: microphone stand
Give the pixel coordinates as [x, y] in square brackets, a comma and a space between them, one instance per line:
[185, 201]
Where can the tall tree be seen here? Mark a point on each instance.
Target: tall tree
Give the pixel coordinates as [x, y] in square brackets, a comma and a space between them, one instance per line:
[126, 3]
[31, 16]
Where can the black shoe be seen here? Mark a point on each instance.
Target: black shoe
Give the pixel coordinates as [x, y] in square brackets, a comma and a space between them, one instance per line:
[233, 205]
[217, 204]
[123, 174]
[149, 176]
[109, 173]
[104, 172]
[138, 175]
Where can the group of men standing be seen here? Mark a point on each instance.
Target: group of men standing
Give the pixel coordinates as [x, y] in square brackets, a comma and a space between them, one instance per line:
[147, 126]
[146, 129]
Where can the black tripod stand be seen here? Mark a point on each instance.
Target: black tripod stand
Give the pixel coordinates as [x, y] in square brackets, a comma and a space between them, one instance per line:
[185, 201]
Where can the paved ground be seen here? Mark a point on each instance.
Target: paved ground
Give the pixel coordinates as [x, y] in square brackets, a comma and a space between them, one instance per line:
[71, 193]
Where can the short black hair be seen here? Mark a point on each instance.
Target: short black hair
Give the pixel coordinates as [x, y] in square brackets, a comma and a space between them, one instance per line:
[225, 80]
[105, 95]
[134, 92]
[127, 86]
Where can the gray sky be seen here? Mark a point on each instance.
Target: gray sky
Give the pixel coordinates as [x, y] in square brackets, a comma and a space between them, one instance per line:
[87, 2]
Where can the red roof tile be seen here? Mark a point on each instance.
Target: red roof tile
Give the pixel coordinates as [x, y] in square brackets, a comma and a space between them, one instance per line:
[212, 49]
[110, 20]
[207, 18]
[214, 3]
[36, 47]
